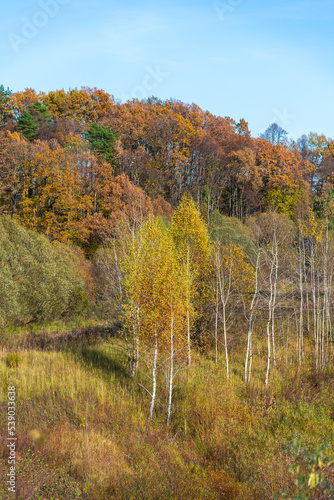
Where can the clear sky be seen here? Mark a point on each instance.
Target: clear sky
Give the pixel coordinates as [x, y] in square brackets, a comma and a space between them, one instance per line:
[262, 60]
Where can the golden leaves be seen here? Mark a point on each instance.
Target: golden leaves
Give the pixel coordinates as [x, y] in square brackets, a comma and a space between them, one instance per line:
[155, 284]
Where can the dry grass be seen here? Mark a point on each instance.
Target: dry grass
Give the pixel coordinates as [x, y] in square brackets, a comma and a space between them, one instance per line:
[226, 441]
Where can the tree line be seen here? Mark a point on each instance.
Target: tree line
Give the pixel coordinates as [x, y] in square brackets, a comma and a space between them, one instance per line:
[72, 162]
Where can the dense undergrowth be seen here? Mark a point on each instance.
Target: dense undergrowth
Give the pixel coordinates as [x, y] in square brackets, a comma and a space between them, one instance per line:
[226, 440]
[39, 280]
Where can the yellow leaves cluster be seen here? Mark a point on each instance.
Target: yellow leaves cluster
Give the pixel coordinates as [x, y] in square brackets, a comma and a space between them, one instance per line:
[52, 199]
[286, 200]
[312, 227]
[191, 239]
[236, 272]
[190, 234]
[155, 284]
[85, 105]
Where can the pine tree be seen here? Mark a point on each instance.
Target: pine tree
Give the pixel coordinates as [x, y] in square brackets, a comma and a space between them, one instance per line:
[101, 140]
[4, 98]
[28, 126]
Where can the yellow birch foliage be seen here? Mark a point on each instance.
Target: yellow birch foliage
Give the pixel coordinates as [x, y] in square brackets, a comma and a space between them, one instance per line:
[191, 237]
[190, 234]
[154, 284]
[312, 227]
[233, 265]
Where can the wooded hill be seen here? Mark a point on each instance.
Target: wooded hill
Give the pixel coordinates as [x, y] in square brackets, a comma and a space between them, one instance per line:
[72, 162]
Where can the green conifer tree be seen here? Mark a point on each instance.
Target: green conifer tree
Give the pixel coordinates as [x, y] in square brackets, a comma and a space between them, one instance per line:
[28, 126]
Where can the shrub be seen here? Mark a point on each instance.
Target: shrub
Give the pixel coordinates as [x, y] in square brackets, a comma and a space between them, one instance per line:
[231, 230]
[36, 281]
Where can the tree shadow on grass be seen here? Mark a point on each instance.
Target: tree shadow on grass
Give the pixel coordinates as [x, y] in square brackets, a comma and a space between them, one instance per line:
[103, 362]
[89, 336]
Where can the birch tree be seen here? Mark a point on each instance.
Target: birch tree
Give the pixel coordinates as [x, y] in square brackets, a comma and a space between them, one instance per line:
[316, 233]
[176, 302]
[250, 321]
[121, 251]
[144, 288]
[156, 288]
[274, 233]
[191, 238]
[232, 277]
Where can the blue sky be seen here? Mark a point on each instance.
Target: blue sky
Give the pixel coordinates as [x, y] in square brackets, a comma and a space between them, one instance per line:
[260, 60]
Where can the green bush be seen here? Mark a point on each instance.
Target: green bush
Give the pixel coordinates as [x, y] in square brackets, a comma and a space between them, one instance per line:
[37, 280]
[231, 230]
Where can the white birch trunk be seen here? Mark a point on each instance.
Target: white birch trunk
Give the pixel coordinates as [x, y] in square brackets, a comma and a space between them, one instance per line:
[154, 378]
[216, 324]
[188, 306]
[171, 372]
[249, 354]
[269, 322]
[225, 340]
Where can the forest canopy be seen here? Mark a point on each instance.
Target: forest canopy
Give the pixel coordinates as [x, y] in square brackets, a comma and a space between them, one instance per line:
[72, 162]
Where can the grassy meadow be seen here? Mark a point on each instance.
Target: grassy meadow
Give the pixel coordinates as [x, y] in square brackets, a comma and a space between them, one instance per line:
[83, 429]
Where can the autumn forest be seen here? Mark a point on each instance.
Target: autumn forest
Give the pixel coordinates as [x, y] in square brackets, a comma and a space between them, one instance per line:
[166, 301]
